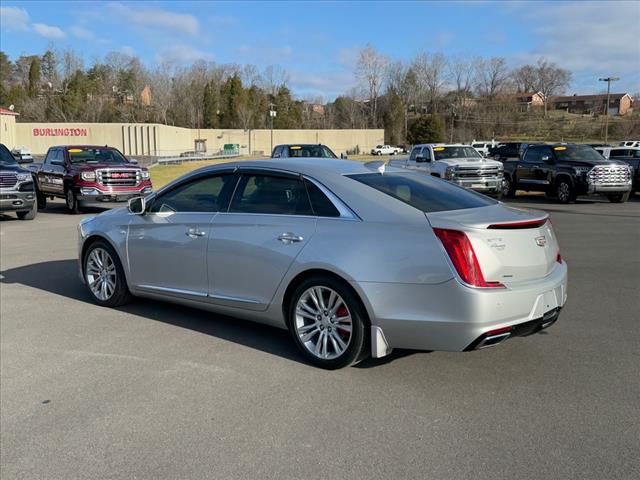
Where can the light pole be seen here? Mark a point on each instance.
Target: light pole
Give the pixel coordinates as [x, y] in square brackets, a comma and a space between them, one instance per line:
[606, 118]
[272, 114]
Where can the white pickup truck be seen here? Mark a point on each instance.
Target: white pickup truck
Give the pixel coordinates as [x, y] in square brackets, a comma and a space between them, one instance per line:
[460, 164]
[385, 150]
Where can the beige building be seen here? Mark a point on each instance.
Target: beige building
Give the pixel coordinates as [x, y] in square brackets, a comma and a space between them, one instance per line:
[8, 128]
[166, 141]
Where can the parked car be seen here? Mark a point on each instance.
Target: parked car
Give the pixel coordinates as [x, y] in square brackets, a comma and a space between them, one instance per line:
[385, 150]
[22, 155]
[89, 176]
[298, 151]
[460, 164]
[17, 192]
[482, 147]
[565, 171]
[631, 156]
[507, 151]
[352, 261]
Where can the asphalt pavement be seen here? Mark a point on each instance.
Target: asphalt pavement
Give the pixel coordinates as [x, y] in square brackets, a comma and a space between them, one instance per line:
[156, 391]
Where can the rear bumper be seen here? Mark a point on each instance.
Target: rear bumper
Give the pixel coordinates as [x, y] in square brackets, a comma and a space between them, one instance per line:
[13, 200]
[451, 316]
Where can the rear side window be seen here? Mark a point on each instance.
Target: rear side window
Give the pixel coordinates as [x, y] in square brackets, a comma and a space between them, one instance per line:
[271, 194]
[322, 206]
[424, 192]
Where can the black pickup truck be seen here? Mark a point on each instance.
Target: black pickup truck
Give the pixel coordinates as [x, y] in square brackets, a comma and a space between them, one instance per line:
[565, 171]
[631, 156]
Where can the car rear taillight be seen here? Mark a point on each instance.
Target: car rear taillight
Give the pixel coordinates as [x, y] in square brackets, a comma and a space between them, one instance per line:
[463, 257]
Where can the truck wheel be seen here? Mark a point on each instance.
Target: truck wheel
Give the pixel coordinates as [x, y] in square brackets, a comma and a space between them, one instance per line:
[104, 275]
[42, 200]
[508, 188]
[565, 191]
[72, 201]
[28, 214]
[618, 197]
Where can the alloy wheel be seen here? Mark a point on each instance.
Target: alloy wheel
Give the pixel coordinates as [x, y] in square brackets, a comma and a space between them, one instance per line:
[100, 272]
[564, 191]
[323, 322]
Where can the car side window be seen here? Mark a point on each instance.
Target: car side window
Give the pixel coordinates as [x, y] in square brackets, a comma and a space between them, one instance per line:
[414, 153]
[320, 203]
[277, 153]
[533, 155]
[50, 156]
[59, 155]
[205, 194]
[271, 194]
[619, 153]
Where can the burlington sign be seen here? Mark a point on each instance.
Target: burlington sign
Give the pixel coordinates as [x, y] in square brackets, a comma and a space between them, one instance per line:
[60, 132]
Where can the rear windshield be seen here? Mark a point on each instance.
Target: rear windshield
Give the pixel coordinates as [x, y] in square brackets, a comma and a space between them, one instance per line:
[442, 153]
[424, 192]
[310, 151]
[95, 155]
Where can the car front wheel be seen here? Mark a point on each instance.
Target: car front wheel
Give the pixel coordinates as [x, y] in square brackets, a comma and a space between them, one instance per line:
[508, 188]
[104, 275]
[327, 323]
[565, 191]
[28, 214]
[618, 197]
[72, 201]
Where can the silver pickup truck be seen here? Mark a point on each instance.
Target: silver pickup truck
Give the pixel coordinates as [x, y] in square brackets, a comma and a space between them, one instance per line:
[17, 190]
[460, 164]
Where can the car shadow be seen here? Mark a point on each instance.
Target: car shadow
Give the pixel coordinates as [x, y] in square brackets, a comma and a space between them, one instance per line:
[60, 277]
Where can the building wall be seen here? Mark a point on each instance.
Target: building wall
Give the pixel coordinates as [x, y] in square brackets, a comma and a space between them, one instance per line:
[164, 140]
[8, 131]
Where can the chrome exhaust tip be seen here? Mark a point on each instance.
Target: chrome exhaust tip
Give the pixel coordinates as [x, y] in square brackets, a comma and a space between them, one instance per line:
[493, 340]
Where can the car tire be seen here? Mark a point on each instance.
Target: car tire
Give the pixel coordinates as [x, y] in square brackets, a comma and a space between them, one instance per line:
[328, 323]
[101, 265]
[71, 201]
[28, 214]
[41, 200]
[565, 193]
[508, 187]
[618, 197]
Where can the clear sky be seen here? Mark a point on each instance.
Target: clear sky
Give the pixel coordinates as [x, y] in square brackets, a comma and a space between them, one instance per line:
[317, 42]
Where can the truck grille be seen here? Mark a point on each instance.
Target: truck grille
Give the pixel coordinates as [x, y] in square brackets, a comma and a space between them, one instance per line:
[118, 178]
[8, 180]
[475, 172]
[606, 174]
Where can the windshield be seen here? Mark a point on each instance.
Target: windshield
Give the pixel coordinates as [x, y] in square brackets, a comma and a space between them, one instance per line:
[424, 192]
[95, 155]
[311, 151]
[443, 153]
[5, 156]
[577, 153]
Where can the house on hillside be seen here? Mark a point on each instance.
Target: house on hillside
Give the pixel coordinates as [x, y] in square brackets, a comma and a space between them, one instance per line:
[528, 100]
[619, 104]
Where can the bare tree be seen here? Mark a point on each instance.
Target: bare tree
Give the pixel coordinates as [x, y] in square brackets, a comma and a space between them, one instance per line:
[525, 78]
[161, 85]
[550, 79]
[492, 76]
[370, 70]
[273, 78]
[460, 72]
[430, 72]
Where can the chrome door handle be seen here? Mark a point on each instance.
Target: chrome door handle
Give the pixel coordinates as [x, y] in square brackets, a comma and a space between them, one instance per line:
[194, 233]
[288, 238]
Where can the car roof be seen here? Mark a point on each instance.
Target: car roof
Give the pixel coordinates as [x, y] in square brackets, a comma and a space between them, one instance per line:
[313, 166]
[83, 146]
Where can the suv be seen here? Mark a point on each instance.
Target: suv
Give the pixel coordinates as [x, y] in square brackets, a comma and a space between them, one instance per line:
[566, 171]
[297, 151]
[631, 156]
[17, 193]
[460, 164]
[89, 176]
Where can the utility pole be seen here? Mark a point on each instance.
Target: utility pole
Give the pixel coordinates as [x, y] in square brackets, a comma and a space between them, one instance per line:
[606, 112]
[453, 119]
[272, 114]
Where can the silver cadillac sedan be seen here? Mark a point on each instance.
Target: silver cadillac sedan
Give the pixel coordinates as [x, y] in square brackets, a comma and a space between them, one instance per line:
[352, 259]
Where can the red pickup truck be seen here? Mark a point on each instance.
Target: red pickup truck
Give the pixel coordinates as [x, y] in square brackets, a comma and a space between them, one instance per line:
[89, 176]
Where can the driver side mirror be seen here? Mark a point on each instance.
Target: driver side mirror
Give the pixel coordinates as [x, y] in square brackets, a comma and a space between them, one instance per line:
[137, 205]
[421, 159]
[276, 155]
[133, 160]
[547, 159]
[60, 163]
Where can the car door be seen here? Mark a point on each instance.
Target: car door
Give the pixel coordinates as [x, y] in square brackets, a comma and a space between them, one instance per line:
[56, 172]
[531, 170]
[252, 246]
[47, 176]
[167, 246]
